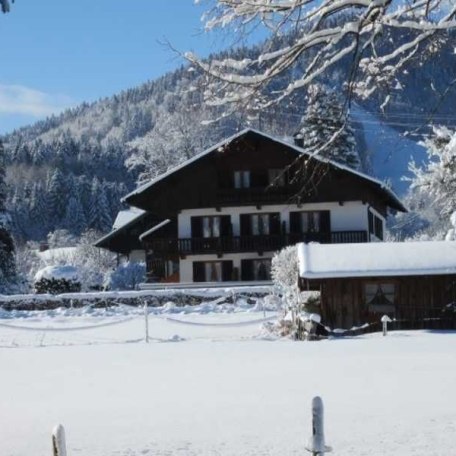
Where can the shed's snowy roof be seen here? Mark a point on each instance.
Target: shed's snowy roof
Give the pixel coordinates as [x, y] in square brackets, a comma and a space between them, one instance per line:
[394, 199]
[376, 259]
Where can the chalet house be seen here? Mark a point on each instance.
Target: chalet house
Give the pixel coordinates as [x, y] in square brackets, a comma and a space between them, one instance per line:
[359, 283]
[221, 215]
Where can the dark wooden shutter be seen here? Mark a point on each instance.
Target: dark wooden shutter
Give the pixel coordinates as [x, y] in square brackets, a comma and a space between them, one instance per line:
[379, 228]
[370, 216]
[198, 271]
[246, 270]
[325, 222]
[274, 223]
[197, 227]
[227, 271]
[225, 179]
[259, 179]
[225, 226]
[246, 225]
[295, 222]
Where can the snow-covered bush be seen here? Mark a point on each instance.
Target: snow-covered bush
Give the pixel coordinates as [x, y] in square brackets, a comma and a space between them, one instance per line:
[300, 309]
[57, 279]
[126, 277]
[284, 272]
[57, 286]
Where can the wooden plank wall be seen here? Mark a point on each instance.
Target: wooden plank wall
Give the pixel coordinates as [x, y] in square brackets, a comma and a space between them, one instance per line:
[417, 297]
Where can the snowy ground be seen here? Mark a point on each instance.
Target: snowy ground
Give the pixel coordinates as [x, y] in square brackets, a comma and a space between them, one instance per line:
[208, 383]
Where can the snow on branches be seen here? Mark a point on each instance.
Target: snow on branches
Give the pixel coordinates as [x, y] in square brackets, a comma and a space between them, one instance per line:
[324, 32]
[438, 178]
[5, 5]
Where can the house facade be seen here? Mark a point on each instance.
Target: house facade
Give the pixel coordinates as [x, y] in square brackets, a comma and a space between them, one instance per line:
[223, 214]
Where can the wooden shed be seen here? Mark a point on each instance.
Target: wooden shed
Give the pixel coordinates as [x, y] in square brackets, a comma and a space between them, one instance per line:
[359, 283]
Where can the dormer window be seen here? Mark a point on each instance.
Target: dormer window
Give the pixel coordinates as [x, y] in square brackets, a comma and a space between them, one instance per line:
[241, 179]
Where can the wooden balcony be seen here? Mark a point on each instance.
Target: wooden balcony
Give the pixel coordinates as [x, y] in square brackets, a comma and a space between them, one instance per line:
[236, 244]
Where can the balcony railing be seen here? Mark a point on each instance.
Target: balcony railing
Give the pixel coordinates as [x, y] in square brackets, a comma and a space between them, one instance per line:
[263, 243]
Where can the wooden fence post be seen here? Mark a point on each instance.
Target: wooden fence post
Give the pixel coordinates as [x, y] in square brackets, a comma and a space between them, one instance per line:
[146, 316]
[385, 320]
[317, 445]
[58, 441]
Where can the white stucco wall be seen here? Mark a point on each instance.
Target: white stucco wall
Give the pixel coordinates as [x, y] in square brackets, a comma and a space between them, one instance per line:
[186, 265]
[351, 216]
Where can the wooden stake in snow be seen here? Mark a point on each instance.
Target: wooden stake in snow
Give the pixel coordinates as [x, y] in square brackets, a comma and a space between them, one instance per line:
[146, 317]
[317, 444]
[385, 320]
[58, 441]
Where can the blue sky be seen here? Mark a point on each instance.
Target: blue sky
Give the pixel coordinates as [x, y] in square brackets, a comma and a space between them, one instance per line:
[57, 53]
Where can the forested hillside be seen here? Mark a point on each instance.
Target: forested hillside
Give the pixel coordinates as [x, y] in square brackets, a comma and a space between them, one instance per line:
[71, 170]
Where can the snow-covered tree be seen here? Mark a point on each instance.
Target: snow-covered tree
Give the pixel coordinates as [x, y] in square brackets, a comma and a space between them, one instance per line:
[5, 5]
[325, 129]
[75, 220]
[437, 180]
[432, 197]
[324, 32]
[284, 272]
[99, 211]
[127, 276]
[7, 261]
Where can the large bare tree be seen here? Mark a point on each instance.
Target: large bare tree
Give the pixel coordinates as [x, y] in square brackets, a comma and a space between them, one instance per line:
[324, 32]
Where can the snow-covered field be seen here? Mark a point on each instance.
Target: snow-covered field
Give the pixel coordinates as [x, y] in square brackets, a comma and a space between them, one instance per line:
[208, 383]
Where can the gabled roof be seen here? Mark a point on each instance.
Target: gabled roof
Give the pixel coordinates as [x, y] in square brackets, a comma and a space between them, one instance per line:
[122, 223]
[392, 198]
[376, 259]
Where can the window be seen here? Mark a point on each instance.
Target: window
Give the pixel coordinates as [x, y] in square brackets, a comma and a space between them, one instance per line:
[241, 179]
[212, 271]
[211, 227]
[261, 269]
[310, 222]
[276, 177]
[375, 225]
[258, 269]
[260, 224]
[380, 296]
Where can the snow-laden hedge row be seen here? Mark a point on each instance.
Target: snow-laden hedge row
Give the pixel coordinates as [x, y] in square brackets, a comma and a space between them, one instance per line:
[133, 298]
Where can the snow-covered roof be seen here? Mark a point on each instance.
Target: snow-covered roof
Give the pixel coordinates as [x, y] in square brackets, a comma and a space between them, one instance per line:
[58, 254]
[123, 220]
[228, 140]
[376, 259]
[153, 229]
[125, 217]
[66, 272]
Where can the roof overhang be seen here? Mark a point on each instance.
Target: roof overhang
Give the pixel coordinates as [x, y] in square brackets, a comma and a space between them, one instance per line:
[390, 197]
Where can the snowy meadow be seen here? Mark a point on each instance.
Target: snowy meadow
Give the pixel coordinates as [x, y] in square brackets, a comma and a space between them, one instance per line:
[211, 381]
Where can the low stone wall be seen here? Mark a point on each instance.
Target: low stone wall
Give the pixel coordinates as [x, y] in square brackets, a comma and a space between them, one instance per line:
[154, 298]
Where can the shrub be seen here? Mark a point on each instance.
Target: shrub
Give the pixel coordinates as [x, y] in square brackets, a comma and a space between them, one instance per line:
[57, 286]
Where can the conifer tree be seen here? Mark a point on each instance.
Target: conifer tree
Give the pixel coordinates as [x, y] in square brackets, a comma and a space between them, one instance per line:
[325, 130]
[7, 262]
[57, 196]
